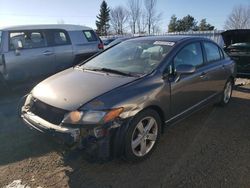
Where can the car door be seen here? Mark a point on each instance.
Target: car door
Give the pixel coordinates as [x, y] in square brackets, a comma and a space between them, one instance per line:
[29, 56]
[60, 41]
[216, 74]
[188, 90]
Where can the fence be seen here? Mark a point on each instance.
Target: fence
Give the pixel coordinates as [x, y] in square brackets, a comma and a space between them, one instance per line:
[213, 35]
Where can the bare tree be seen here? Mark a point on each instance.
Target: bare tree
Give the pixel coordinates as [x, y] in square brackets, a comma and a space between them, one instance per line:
[239, 18]
[118, 18]
[155, 24]
[142, 22]
[152, 17]
[134, 12]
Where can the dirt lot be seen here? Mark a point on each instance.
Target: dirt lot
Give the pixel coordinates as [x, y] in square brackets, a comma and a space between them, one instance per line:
[209, 149]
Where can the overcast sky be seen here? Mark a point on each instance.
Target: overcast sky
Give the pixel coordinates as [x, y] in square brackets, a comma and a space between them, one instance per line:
[83, 12]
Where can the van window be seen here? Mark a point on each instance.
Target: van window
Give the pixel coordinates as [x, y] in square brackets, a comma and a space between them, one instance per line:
[90, 36]
[60, 38]
[27, 40]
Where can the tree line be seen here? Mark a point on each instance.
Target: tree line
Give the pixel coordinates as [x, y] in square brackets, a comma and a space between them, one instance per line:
[188, 23]
[141, 16]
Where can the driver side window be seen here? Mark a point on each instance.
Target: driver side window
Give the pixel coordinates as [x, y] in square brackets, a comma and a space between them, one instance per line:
[189, 55]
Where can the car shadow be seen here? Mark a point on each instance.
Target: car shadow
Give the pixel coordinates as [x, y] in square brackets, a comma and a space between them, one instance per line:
[191, 151]
[18, 142]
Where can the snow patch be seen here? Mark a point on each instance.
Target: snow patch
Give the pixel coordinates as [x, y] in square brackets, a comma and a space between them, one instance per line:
[18, 184]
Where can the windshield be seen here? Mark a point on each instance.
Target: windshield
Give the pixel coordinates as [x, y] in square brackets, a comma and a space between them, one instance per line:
[138, 57]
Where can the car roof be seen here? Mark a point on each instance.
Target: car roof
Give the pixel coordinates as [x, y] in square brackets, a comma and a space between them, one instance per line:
[67, 27]
[170, 38]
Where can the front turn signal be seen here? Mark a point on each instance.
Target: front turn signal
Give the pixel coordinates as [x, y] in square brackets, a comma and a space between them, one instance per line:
[111, 115]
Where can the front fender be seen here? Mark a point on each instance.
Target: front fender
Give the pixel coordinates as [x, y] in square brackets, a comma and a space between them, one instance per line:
[134, 97]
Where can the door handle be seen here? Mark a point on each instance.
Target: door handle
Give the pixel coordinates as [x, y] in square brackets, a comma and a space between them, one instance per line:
[203, 75]
[48, 53]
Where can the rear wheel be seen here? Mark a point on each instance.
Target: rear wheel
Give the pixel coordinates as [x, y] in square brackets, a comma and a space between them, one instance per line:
[142, 136]
[227, 93]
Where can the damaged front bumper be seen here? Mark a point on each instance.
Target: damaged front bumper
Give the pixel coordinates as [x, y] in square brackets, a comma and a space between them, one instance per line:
[66, 135]
[96, 141]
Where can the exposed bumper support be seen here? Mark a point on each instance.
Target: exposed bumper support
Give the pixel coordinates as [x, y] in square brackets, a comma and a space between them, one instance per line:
[67, 135]
[95, 148]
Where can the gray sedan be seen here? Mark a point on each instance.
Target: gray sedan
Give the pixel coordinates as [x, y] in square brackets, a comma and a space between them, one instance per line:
[118, 102]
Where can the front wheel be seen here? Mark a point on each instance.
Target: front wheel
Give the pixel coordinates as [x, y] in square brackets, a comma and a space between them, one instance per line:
[142, 135]
[227, 93]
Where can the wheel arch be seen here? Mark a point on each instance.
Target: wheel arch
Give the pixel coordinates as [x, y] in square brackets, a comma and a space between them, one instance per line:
[159, 112]
[232, 79]
[117, 146]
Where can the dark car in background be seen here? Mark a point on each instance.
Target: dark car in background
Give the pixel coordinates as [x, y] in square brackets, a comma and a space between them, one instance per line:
[107, 41]
[237, 46]
[118, 40]
[32, 52]
[118, 102]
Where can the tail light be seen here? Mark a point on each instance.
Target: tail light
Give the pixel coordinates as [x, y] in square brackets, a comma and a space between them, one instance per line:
[100, 46]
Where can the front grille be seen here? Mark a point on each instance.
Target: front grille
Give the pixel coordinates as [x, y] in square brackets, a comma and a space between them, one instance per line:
[47, 112]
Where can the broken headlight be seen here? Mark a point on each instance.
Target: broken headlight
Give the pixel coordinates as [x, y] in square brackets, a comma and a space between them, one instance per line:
[92, 117]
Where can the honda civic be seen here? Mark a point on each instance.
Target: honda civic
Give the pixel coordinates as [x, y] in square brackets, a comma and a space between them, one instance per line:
[118, 102]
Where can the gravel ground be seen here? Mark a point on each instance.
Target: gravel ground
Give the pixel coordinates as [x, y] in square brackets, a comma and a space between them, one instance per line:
[209, 149]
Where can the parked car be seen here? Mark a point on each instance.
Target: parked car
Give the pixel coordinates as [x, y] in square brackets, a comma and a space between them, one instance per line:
[117, 102]
[37, 51]
[118, 40]
[107, 41]
[237, 46]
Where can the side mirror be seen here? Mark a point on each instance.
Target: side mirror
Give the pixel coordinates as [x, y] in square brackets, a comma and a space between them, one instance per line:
[185, 69]
[167, 72]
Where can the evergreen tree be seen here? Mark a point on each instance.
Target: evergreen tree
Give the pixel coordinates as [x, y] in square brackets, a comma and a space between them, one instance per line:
[172, 27]
[204, 26]
[102, 22]
[187, 23]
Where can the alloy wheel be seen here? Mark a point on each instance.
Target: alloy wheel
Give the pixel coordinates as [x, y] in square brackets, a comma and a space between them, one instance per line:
[144, 136]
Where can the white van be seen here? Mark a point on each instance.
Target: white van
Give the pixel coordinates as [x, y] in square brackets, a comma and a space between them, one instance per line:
[37, 51]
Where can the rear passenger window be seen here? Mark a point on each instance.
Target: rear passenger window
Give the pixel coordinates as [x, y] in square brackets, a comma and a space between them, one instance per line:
[90, 36]
[212, 51]
[60, 38]
[27, 40]
[190, 55]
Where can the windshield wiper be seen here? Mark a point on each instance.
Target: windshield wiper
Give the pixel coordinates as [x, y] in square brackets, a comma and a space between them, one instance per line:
[116, 72]
[110, 71]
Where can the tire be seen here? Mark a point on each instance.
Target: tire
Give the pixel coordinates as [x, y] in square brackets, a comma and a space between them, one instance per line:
[227, 93]
[142, 136]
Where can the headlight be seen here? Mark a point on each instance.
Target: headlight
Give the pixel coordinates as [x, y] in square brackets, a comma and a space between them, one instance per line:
[91, 117]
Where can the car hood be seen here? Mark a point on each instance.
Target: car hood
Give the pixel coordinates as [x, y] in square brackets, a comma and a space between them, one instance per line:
[72, 88]
[236, 36]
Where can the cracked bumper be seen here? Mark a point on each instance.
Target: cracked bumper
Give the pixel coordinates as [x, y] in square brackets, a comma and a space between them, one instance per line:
[96, 148]
[66, 135]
